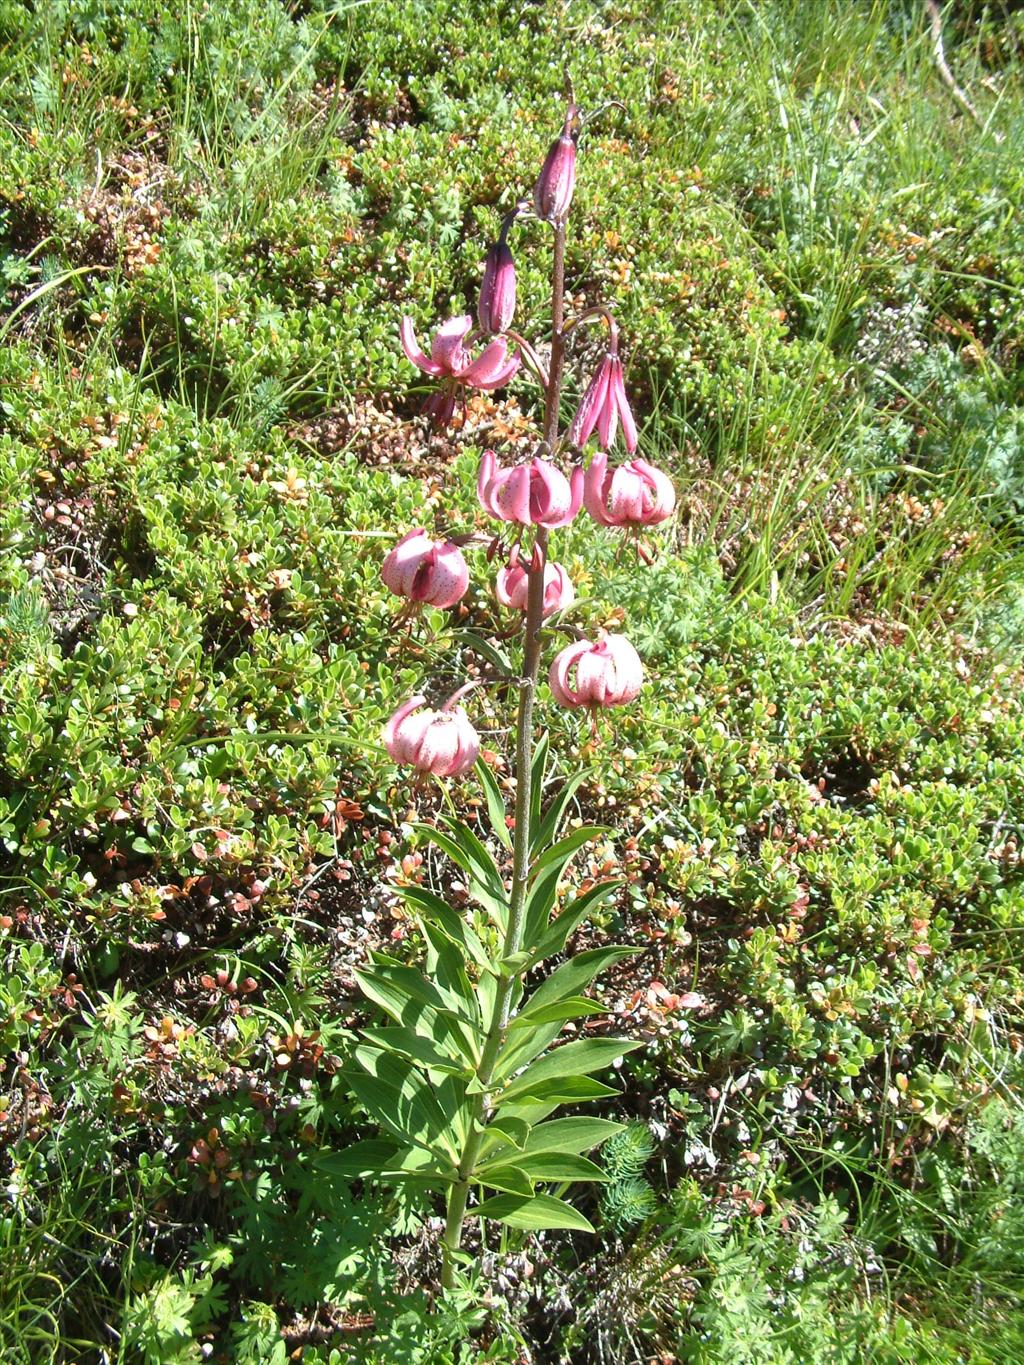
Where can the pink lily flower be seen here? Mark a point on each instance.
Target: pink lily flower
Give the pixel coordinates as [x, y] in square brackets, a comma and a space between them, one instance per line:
[451, 362]
[608, 673]
[440, 742]
[533, 494]
[512, 585]
[425, 570]
[635, 494]
[603, 404]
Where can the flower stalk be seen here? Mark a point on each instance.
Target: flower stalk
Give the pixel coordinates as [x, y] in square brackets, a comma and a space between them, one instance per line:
[459, 1194]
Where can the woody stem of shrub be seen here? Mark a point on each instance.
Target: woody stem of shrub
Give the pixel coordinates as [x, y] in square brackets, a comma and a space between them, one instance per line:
[495, 1036]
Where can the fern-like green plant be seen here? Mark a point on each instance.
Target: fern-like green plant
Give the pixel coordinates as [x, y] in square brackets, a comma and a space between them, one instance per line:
[628, 1198]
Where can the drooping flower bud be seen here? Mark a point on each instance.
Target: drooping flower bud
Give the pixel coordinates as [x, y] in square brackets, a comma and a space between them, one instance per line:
[603, 404]
[533, 494]
[553, 191]
[425, 570]
[512, 587]
[608, 673]
[497, 304]
[440, 742]
[635, 494]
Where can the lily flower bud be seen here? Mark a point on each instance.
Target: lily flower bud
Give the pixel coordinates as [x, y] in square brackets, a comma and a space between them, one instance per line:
[608, 673]
[603, 404]
[553, 191]
[512, 587]
[440, 742]
[425, 570]
[497, 304]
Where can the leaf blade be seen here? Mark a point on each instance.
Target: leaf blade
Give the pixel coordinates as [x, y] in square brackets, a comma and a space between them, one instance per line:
[539, 1212]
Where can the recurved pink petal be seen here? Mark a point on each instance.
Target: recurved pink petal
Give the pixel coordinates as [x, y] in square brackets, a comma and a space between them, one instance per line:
[468, 748]
[438, 745]
[510, 586]
[411, 347]
[491, 368]
[575, 493]
[485, 482]
[559, 592]
[501, 377]
[595, 483]
[512, 494]
[627, 675]
[549, 493]
[608, 417]
[592, 676]
[388, 733]
[625, 412]
[448, 577]
[625, 498]
[446, 348]
[399, 568]
[664, 491]
[558, 674]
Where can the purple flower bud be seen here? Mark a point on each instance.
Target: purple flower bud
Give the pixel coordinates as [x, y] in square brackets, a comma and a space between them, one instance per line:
[498, 290]
[553, 191]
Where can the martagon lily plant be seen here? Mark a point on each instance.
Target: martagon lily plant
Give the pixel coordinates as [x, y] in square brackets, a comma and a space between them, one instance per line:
[465, 1075]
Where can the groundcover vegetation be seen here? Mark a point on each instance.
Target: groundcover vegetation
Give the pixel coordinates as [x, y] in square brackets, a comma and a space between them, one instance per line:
[212, 219]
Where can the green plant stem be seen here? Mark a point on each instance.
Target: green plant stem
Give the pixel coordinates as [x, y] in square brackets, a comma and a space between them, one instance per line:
[495, 1036]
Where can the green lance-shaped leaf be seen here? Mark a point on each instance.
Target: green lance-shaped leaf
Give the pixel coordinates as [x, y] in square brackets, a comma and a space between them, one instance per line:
[487, 991]
[532, 1214]
[361, 1159]
[538, 1167]
[576, 1135]
[430, 908]
[483, 877]
[445, 967]
[376, 1157]
[545, 831]
[538, 771]
[554, 938]
[556, 1090]
[487, 649]
[560, 853]
[522, 1045]
[495, 803]
[408, 1043]
[509, 1134]
[559, 1011]
[507, 1178]
[571, 977]
[545, 875]
[508, 1139]
[413, 1002]
[403, 1101]
[569, 1062]
[540, 1020]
